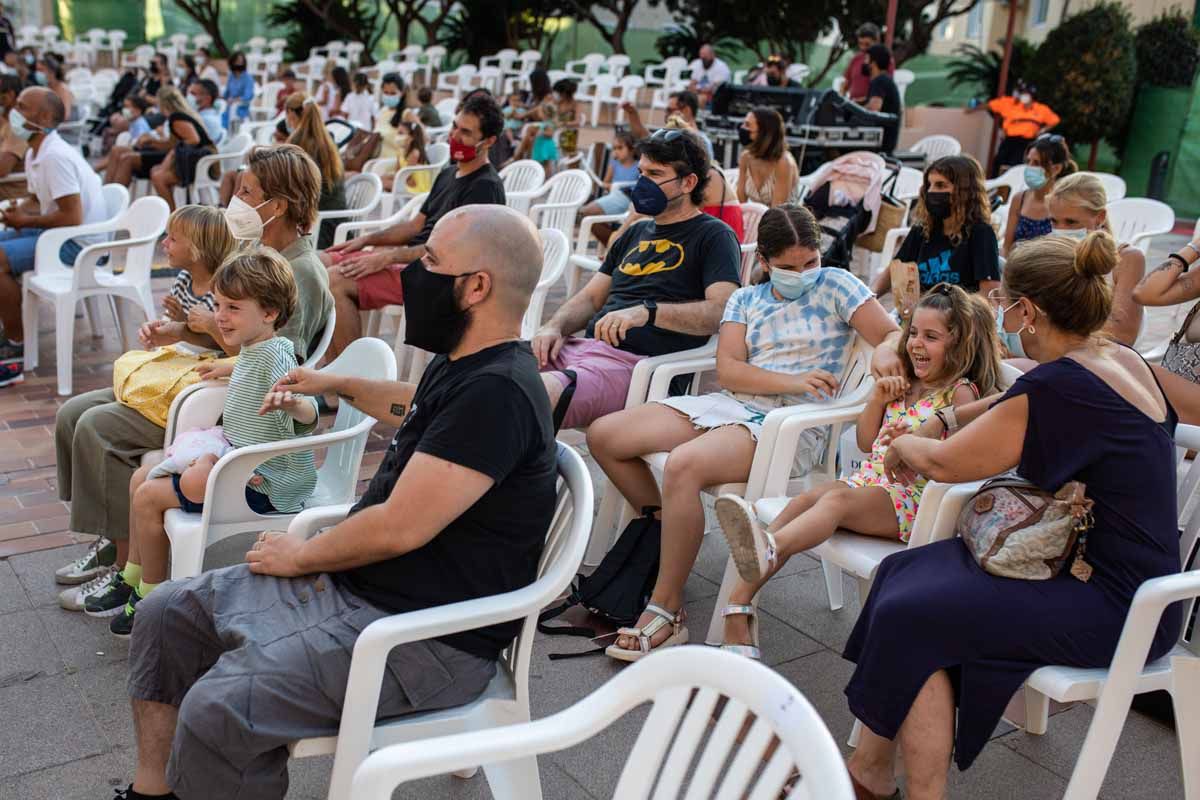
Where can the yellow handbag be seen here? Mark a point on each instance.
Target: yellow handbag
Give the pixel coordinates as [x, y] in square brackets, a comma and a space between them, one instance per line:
[148, 380]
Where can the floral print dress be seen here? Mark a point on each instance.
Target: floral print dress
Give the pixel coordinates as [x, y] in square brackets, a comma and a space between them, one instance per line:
[905, 497]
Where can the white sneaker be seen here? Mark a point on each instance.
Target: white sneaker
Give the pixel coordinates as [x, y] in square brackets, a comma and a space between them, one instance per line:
[95, 562]
[73, 599]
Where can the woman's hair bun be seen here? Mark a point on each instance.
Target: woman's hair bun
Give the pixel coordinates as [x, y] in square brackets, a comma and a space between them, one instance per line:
[1096, 255]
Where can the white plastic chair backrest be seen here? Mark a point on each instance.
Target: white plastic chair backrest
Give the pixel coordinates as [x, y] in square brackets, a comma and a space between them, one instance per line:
[617, 64]
[146, 217]
[908, 183]
[903, 78]
[363, 190]
[1013, 177]
[411, 52]
[265, 134]
[1132, 216]
[466, 72]
[238, 143]
[266, 94]
[749, 252]
[445, 109]
[1114, 185]
[569, 186]
[630, 84]
[1187, 437]
[555, 251]
[675, 65]
[685, 742]
[936, 146]
[522, 176]
[751, 213]
[337, 477]
[116, 199]
[437, 154]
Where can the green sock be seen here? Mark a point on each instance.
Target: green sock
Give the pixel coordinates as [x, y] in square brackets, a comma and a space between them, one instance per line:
[144, 589]
[132, 574]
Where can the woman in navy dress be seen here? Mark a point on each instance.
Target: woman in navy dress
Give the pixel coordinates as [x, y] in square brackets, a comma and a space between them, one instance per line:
[937, 632]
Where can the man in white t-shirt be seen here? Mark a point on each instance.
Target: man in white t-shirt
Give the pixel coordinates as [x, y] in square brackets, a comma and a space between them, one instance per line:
[708, 72]
[65, 191]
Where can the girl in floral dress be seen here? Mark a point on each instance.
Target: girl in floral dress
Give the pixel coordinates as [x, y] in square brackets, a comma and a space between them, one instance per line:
[951, 356]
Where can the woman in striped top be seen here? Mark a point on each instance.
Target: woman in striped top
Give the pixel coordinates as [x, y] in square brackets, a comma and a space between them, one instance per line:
[256, 294]
[198, 242]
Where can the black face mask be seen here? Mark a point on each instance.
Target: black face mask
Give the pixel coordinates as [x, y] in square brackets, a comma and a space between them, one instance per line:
[706, 64]
[743, 137]
[866, 70]
[237, 67]
[774, 80]
[433, 320]
[938, 204]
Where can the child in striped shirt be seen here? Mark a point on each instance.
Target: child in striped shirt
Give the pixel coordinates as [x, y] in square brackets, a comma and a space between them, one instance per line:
[256, 294]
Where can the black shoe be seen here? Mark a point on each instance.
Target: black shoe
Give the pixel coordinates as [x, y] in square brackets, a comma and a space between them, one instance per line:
[109, 599]
[11, 351]
[122, 624]
[129, 794]
[11, 372]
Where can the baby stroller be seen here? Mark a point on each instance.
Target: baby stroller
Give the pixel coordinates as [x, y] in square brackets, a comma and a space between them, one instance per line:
[845, 196]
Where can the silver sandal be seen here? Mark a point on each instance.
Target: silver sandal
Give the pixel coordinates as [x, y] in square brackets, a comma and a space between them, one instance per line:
[747, 650]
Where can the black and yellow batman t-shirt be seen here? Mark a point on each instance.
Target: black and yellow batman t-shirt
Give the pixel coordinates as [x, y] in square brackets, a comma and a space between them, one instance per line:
[667, 264]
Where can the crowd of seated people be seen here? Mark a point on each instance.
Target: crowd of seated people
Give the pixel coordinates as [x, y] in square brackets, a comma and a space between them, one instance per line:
[457, 508]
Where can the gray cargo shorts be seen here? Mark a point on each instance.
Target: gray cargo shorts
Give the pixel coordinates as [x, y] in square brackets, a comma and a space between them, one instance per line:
[254, 662]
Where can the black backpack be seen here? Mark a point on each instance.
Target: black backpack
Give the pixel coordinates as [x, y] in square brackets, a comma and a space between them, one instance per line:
[619, 589]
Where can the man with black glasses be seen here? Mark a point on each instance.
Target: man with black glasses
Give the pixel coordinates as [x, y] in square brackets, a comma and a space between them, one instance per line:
[661, 289]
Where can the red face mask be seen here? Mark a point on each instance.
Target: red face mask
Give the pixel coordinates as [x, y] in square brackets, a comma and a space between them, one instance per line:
[462, 152]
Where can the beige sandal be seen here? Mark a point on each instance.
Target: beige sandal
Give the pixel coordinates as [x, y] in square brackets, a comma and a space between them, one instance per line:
[662, 618]
[751, 545]
[747, 650]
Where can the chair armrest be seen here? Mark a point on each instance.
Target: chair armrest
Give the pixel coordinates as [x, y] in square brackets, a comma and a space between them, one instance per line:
[1145, 236]
[197, 406]
[380, 166]
[405, 173]
[643, 371]
[363, 226]
[660, 381]
[309, 522]
[348, 213]
[945, 501]
[585, 228]
[51, 240]
[225, 493]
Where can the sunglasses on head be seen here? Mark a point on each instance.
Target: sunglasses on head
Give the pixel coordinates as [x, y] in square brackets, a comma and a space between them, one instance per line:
[667, 135]
[1052, 138]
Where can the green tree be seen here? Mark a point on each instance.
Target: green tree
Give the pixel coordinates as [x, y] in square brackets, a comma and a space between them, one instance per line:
[479, 28]
[685, 40]
[787, 27]
[973, 66]
[208, 14]
[1086, 70]
[312, 23]
[1168, 51]
[619, 10]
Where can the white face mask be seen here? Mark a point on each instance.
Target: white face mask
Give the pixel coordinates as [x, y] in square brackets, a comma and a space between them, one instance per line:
[16, 122]
[243, 220]
[1026, 99]
[1078, 234]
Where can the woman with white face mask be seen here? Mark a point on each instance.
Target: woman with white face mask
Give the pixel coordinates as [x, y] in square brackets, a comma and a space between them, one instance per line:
[1047, 160]
[784, 340]
[1077, 207]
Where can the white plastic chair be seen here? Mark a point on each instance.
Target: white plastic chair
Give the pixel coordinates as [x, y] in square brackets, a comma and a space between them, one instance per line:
[502, 60]
[225, 511]
[586, 68]
[522, 180]
[667, 74]
[617, 65]
[116, 41]
[64, 286]
[433, 57]
[445, 108]
[594, 92]
[1013, 178]
[560, 198]
[262, 107]
[937, 146]
[1136, 220]
[1178, 672]
[363, 194]
[456, 82]
[1114, 185]
[438, 156]
[586, 257]
[206, 188]
[751, 213]
[683, 686]
[908, 184]
[506, 700]
[903, 78]
[411, 52]
[555, 249]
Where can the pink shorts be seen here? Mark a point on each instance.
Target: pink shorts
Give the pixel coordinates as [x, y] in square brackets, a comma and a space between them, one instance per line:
[381, 288]
[602, 375]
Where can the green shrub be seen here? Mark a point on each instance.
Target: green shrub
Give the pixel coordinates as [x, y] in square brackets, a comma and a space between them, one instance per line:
[1168, 51]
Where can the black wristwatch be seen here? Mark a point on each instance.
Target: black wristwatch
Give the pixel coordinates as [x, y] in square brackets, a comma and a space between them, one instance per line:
[652, 307]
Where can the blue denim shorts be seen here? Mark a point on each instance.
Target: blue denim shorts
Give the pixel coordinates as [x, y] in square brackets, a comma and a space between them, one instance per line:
[20, 246]
[259, 503]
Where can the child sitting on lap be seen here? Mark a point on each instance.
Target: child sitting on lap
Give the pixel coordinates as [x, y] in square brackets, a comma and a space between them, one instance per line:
[256, 294]
[951, 354]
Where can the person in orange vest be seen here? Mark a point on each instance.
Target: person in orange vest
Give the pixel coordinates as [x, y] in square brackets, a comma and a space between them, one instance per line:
[1023, 120]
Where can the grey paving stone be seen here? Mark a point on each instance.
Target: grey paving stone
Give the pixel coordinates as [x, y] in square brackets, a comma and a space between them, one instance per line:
[48, 725]
[26, 648]
[36, 571]
[1145, 764]
[780, 642]
[104, 691]
[801, 601]
[1001, 774]
[91, 778]
[82, 641]
[12, 593]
